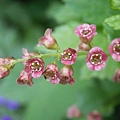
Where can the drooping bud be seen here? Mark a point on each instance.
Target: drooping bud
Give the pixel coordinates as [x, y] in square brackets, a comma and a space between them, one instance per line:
[25, 78]
[52, 74]
[96, 59]
[66, 75]
[48, 40]
[86, 32]
[114, 49]
[68, 56]
[116, 77]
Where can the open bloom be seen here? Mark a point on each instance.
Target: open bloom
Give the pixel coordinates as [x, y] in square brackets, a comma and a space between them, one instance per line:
[25, 78]
[73, 112]
[51, 73]
[68, 56]
[116, 77]
[94, 116]
[5, 66]
[48, 40]
[86, 32]
[114, 49]
[96, 59]
[66, 75]
[35, 67]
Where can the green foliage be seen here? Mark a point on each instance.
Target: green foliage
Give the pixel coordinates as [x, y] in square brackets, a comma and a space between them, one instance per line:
[115, 4]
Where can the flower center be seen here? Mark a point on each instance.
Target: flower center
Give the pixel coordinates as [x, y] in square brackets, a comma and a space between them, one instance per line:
[96, 59]
[116, 48]
[85, 32]
[66, 55]
[36, 66]
[50, 74]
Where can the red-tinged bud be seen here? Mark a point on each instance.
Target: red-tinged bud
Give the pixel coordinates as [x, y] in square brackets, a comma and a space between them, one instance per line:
[35, 67]
[66, 75]
[48, 40]
[116, 77]
[25, 78]
[52, 74]
[68, 56]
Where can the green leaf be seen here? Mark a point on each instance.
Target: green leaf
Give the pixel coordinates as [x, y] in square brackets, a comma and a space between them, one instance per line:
[115, 4]
[114, 22]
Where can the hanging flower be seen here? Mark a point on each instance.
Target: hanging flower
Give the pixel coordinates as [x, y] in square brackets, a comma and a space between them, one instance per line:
[68, 56]
[66, 75]
[86, 32]
[114, 49]
[96, 59]
[51, 73]
[35, 67]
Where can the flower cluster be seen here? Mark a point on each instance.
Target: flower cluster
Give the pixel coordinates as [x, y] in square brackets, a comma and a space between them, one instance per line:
[35, 67]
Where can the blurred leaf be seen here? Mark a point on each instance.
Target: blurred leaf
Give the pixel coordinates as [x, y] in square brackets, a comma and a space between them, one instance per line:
[114, 22]
[81, 10]
[115, 4]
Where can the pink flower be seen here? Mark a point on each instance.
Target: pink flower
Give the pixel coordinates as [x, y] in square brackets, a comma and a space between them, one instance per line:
[48, 41]
[86, 32]
[116, 77]
[51, 73]
[96, 59]
[68, 56]
[114, 49]
[35, 67]
[94, 116]
[5, 66]
[66, 75]
[25, 78]
[73, 112]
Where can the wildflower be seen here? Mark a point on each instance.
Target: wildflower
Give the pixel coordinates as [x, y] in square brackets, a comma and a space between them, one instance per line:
[114, 49]
[25, 78]
[94, 116]
[48, 40]
[51, 73]
[66, 75]
[116, 77]
[96, 59]
[6, 117]
[73, 112]
[35, 67]
[86, 32]
[5, 66]
[68, 56]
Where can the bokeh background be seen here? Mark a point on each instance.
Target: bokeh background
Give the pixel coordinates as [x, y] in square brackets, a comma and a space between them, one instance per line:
[22, 22]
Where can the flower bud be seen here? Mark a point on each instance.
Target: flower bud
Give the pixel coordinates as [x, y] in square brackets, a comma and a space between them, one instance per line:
[116, 77]
[48, 41]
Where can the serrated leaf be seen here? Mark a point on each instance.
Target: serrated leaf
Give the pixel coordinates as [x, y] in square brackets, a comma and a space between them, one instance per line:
[115, 4]
[114, 22]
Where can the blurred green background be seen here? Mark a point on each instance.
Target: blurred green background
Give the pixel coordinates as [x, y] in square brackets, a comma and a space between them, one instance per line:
[22, 22]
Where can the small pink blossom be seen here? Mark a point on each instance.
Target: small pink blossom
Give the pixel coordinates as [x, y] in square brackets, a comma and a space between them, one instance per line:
[66, 75]
[51, 73]
[94, 116]
[114, 49]
[68, 56]
[5, 65]
[35, 67]
[86, 32]
[48, 40]
[116, 77]
[73, 112]
[96, 59]
[25, 78]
